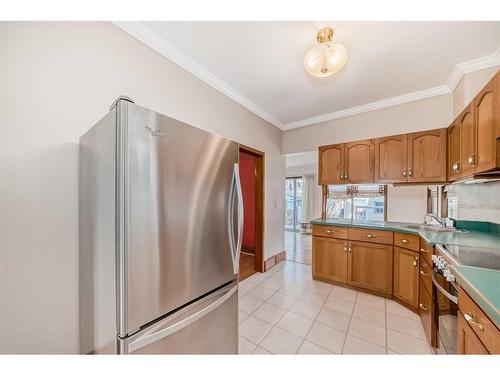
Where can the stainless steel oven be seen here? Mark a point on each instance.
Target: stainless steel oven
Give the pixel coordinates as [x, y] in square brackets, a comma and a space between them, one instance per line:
[445, 292]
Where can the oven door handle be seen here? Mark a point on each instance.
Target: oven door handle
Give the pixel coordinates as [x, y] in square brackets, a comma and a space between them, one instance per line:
[448, 295]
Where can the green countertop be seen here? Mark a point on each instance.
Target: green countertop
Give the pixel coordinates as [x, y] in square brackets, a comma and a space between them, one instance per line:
[467, 238]
[483, 285]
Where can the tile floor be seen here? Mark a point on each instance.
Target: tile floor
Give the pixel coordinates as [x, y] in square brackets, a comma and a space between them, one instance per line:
[298, 247]
[284, 311]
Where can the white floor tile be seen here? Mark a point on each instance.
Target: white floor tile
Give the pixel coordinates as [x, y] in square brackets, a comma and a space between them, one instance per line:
[242, 315]
[245, 346]
[306, 309]
[254, 329]
[260, 293]
[367, 331]
[344, 293]
[269, 313]
[316, 298]
[334, 319]
[261, 351]
[248, 304]
[405, 325]
[280, 341]
[369, 314]
[404, 344]
[310, 348]
[396, 309]
[326, 337]
[282, 301]
[354, 345]
[338, 304]
[296, 324]
[375, 302]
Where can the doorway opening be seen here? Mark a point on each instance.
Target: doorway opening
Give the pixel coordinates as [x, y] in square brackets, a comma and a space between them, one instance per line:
[294, 194]
[251, 166]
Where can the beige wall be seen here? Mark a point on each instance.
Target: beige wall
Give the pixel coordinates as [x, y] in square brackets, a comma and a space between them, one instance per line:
[57, 80]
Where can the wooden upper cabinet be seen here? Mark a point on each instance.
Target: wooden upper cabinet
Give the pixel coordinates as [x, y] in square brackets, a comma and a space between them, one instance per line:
[427, 156]
[331, 164]
[453, 150]
[467, 141]
[391, 158]
[358, 162]
[486, 110]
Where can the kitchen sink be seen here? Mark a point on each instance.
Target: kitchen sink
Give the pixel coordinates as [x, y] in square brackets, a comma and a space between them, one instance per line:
[430, 228]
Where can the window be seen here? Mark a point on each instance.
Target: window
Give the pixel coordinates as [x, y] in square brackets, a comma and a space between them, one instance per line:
[365, 202]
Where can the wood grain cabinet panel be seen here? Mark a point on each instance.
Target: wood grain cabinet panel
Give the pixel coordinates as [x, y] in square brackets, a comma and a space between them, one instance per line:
[391, 158]
[427, 314]
[467, 141]
[358, 161]
[370, 266]
[486, 109]
[329, 259]
[467, 341]
[406, 276]
[331, 164]
[406, 240]
[453, 150]
[371, 235]
[330, 231]
[427, 156]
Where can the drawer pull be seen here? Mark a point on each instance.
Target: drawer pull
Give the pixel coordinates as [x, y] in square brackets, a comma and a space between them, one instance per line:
[424, 274]
[423, 307]
[350, 248]
[424, 251]
[470, 318]
[330, 231]
[345, 247]
[370, 236]
[415, 263]
[404, 241]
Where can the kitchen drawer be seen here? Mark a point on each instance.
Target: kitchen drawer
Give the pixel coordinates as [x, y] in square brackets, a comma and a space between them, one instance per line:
[425, 274]
[370, 235]
[330, 231]
[426, 251]
[484, 328]
[427, 314]
[408, 241]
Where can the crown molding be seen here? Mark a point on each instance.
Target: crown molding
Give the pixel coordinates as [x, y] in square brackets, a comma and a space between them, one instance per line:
[454, 79]
[167, 50]
[158, 44]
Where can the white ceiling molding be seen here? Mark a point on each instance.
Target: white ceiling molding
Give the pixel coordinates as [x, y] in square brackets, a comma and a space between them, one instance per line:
[164, 48]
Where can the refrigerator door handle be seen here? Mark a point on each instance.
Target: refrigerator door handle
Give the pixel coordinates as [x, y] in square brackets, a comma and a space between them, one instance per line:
[171, 329]
[230, 224]
[240, 218]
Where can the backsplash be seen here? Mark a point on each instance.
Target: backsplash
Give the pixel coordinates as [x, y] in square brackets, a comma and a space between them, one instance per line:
[479, 202]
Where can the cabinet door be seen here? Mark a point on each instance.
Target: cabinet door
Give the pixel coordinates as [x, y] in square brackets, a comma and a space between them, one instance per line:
[426, 309]
[331, 164]
[487, 119]
[427, 156]
[370, 266]
[406, 276]
[454, 150]
[391, 159]
[467, 341]
[358, 161]
[329, 259]
[467, 141]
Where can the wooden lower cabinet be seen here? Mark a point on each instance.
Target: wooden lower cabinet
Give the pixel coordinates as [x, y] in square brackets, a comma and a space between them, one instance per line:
[329, 259]
[370, 266]
[406, 276]
[427, 313]
[467, 341]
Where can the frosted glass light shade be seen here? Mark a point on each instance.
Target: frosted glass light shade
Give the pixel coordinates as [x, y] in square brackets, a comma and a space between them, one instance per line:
[325, 59]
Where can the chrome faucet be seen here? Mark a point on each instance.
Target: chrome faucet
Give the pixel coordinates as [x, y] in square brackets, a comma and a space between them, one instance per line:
[430, 218]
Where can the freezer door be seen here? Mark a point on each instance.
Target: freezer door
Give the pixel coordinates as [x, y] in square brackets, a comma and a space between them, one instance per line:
[208, 326]
[180, 210]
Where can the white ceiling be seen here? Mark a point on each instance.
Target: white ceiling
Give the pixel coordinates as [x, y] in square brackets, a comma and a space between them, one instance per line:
[259, 64]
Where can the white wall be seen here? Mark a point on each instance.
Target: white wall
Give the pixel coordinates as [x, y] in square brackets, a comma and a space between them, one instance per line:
[57, 80]
[479, 202]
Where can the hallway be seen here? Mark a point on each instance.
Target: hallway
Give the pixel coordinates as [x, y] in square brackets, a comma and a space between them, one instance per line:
[298, 247]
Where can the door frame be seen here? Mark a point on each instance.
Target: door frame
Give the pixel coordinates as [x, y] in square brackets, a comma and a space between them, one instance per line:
[259, 203]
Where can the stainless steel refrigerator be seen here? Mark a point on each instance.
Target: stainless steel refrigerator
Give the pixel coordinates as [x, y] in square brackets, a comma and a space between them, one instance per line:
[161, 217]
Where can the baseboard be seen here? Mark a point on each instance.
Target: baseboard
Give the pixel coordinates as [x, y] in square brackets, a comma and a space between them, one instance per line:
[274, 260]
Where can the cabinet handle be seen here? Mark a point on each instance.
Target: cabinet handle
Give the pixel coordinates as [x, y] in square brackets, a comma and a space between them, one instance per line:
[415, 262]
[456, 167]
[345, 175]
[330, 231]
[424, 274]
[404, 241]
[370, 236]
[472, 158]
[345, 247]
[404, 172]
[409, 172]
[341, 175]
[350, 248]
[423, 307]
[424, 251]
[470, 318]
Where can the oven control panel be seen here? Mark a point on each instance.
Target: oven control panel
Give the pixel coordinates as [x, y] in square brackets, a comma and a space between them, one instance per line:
[442, 265]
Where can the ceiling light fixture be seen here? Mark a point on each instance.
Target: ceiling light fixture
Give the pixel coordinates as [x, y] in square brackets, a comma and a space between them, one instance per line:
[328, 57]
